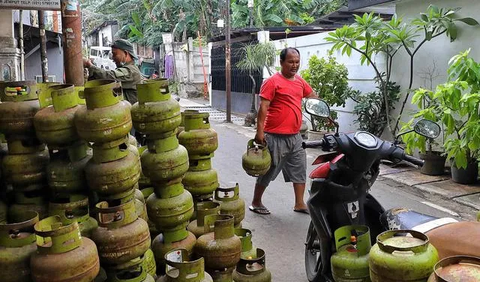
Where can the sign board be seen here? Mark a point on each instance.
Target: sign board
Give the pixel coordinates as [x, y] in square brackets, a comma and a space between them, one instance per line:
[50, 5]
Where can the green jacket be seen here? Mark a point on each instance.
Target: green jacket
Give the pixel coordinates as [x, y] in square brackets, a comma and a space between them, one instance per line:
[129, 75]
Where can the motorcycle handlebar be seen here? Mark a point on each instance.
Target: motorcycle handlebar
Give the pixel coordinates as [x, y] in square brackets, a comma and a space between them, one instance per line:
[413, 160]
[312, 144]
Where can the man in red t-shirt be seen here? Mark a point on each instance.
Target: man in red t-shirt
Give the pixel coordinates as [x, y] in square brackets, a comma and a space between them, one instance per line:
[279, 120]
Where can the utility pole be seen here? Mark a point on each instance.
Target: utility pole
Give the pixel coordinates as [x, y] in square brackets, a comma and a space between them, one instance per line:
[250, 6]
[21, 47]
[72, 42]
[228, 74]
[43, 45]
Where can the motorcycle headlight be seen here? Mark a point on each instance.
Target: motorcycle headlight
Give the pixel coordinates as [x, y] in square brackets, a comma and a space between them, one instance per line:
[366, 139]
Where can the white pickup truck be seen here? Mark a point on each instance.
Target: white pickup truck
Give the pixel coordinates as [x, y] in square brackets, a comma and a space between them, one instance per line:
[101, 57]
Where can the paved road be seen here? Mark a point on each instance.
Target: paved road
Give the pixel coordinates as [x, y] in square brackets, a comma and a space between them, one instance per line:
[282, 233]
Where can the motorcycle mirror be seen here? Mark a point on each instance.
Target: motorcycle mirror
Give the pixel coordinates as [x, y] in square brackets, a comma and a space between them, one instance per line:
[317, 107]
[427, 128]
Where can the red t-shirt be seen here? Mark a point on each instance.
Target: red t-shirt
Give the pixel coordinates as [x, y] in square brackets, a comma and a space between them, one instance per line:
[284, 115]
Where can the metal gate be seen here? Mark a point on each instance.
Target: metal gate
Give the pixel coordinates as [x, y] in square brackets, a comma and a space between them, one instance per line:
[241, 82]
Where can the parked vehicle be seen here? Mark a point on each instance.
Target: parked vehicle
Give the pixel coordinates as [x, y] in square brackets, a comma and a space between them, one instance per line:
[101, 57]
[339, 193]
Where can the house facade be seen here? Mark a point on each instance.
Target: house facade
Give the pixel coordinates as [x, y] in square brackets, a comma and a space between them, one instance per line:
[10, 53]
[103, 35]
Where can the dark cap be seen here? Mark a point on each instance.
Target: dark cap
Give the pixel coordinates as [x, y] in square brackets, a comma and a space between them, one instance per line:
[124, 45]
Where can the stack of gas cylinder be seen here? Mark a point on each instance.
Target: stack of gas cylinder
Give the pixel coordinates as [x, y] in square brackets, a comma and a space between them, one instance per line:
[55, 126]
[201, 142]
[95, 226]
[24, 167]
[112, 174]
[164, 163]
[31, 247]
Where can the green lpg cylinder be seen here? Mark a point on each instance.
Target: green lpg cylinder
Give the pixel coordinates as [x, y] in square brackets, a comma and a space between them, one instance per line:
[143, 182]
[350, 261]
[45, 93]
[17, 244]
[102, 276]
[156, 111]
[248, 250]
[198, 138]
[197, 226]
[104, 118]
[177, 238]
[147, 192]
[253, 269]
[231, 203]
[170, 206]
[132, 140]
[132, 195]
[200, 178]
[63, 255]
[139, 195]
[180, 269]
[165, 159]
[3, 212]
[19, 106]
[131, 271]
[181, 127]
[25, 164]
[121, 236]
[113, 169]
[457, 269]
[220, 248]
[222, 275]
[402, 255]
[29, 201]
[141, 209]
[66, 170]
[257, 160]
[55, 125]
[74, 208]
[149, 263]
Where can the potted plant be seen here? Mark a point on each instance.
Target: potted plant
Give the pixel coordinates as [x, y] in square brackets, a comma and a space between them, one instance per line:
[329, 79]
[459, 100]
[462, 123]
[434, 160]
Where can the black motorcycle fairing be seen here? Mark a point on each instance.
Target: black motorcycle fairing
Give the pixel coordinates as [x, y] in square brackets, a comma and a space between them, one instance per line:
[403, 219]
[329, 211]
[365, 157]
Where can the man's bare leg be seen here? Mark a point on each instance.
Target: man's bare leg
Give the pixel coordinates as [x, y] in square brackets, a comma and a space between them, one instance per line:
[299, 189]
[257, 205]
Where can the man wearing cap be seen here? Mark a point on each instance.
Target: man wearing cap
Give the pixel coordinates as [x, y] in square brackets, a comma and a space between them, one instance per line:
[126, 72]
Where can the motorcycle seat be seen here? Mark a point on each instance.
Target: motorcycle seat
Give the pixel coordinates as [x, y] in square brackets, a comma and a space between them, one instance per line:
[406, 219]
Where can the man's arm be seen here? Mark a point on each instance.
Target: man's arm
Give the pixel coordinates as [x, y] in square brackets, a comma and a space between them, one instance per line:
[312, 95]
[98, 73]
[262, 114]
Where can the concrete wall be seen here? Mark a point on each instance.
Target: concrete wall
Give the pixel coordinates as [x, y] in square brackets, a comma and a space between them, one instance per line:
[33, 65]
[438, 51]
[188, 64]
[241, 102]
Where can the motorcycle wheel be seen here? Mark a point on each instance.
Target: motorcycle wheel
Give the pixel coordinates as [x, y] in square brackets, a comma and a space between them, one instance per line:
[313, 261]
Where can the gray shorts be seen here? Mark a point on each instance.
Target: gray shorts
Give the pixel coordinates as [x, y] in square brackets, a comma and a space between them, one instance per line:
[288, 156]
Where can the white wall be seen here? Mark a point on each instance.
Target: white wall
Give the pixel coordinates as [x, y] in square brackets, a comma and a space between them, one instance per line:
[439, 50]
[360, 77]
[105, 32]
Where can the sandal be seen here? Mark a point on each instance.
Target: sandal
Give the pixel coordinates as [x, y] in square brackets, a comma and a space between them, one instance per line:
[305, 211]
[259, 210]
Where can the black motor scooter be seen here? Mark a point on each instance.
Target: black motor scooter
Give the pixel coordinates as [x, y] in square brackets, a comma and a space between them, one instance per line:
[339, 193]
